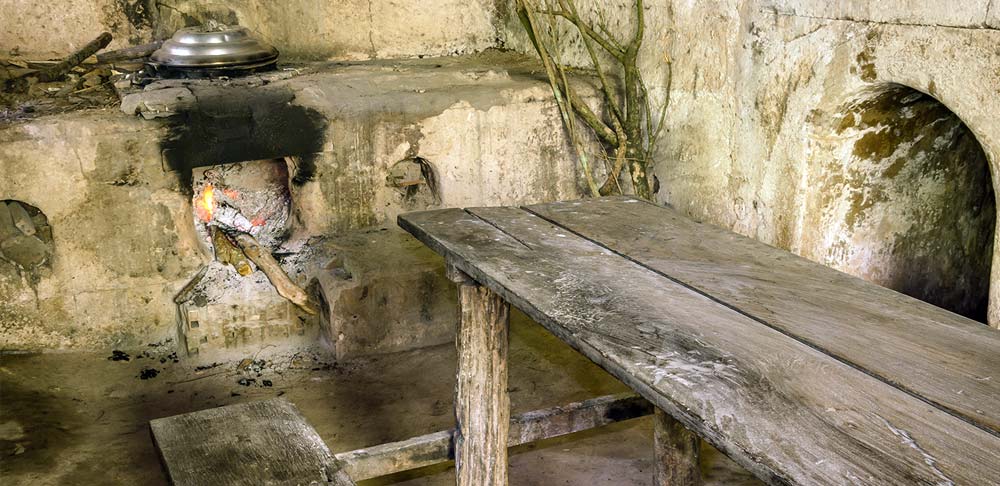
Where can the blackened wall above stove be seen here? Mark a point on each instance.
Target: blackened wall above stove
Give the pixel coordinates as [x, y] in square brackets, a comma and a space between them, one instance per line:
[228, 125]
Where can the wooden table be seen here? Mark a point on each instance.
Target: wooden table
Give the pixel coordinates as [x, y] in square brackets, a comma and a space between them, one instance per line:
[802, 374]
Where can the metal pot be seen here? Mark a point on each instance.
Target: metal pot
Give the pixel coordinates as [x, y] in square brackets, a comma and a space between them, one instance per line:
[211, 49]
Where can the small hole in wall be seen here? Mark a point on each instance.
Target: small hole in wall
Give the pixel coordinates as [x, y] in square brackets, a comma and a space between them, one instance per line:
[905, 199]
[26, 245]
[416, 182]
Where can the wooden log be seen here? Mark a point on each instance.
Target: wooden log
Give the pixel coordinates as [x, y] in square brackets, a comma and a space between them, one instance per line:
[62, 67]
[437, 448]
[227, 253]
[129, 53]
[275, 274]
[482, 406]
[676, 452]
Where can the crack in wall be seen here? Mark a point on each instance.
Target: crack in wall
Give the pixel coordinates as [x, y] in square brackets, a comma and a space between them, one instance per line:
[371, 29]
[984, 26]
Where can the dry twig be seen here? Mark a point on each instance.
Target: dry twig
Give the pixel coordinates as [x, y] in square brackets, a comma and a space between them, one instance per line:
[627, 130]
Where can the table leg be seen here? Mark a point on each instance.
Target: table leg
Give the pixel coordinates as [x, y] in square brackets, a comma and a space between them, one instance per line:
[482, 407]
[676, 452]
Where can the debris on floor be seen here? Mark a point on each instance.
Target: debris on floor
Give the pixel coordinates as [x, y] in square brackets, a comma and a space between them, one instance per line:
[148, 373]
[90, 412]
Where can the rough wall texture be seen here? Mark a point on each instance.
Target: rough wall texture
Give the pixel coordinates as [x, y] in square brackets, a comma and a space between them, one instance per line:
[902, 197]
[749, 145]
[120, 209]
[355, 29]
[123, 246]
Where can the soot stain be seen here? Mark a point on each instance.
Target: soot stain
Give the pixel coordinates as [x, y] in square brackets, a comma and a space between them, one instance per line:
[236, 125]
[140, 13]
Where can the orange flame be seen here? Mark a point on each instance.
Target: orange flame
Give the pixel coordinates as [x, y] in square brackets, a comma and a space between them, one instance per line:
[205, 204]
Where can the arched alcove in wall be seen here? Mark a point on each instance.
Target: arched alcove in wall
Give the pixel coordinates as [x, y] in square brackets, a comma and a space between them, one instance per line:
[25, 243]
[901, 194]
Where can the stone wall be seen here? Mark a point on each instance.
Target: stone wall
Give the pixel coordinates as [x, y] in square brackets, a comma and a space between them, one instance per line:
[749, 144]
[300, 29]
[122, 235]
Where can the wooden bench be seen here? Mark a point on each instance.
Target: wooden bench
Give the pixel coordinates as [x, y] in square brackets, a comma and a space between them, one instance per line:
[800, 373]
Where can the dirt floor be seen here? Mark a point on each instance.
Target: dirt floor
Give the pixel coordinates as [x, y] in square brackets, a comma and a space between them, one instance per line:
[75, 418]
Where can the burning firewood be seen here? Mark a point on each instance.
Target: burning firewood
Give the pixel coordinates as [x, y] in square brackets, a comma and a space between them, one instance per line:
[275, 274]
[227, 253]
[230, 217]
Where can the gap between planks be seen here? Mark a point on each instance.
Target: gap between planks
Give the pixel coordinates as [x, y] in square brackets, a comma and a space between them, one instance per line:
[821, 349]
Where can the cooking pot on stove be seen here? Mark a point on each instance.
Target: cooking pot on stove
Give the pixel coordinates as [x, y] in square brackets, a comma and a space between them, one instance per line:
[209, 50]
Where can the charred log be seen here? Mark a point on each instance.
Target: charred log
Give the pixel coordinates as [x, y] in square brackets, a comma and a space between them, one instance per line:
[60, 69]
[227, 253]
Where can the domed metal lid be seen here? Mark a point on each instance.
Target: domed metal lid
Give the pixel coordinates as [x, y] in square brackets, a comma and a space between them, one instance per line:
[213, 47]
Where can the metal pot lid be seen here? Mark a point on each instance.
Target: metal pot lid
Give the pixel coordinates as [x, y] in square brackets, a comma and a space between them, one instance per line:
[213, 47]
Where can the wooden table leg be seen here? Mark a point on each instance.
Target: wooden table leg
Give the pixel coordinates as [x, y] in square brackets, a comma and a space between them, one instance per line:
[482, 407]
[676, 452]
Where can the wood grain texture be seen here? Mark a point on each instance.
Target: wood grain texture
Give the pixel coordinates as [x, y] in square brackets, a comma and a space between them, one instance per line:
[947, 359]
[256, 443]
[676, 452]
[786, 411]
[482, 405]
[438, 447]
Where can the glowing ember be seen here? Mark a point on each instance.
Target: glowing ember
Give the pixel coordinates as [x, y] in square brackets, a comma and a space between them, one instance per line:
[205, 204]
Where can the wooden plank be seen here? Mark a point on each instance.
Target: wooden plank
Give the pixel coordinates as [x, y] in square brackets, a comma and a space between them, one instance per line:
[942, 357]
[393, 457]
[784, 410]
[575, 417]
[676, 452]
[482, 405]
[257, 443]
[430, 449]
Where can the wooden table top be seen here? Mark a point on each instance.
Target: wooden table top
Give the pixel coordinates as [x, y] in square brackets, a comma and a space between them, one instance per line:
[802, 374]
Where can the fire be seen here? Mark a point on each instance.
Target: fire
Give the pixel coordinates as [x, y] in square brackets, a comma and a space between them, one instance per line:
[205, 204]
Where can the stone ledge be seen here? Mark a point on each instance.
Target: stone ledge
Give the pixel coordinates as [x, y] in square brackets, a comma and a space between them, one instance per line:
[384, 292]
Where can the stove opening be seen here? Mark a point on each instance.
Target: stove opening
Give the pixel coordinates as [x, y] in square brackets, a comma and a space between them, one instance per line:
[907, 199]
[242, 213]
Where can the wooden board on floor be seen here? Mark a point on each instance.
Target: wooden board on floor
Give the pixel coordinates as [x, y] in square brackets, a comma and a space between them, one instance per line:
[942, 357]
[257, 443]
[785, 410]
